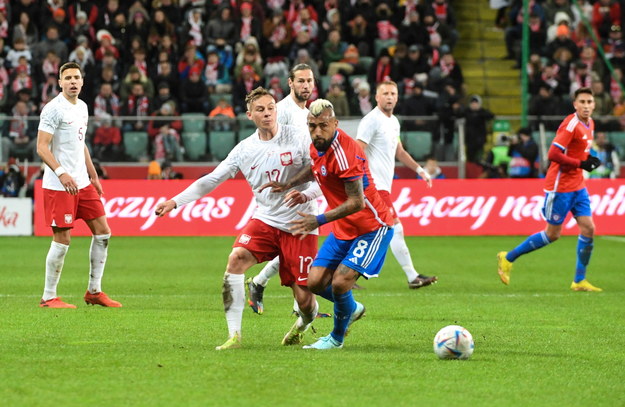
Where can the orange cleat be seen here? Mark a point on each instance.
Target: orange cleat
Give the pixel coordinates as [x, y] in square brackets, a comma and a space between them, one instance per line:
[101, 299]
[55, 303]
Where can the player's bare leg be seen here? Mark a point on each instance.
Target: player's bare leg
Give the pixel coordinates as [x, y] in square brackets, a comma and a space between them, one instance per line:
[233, 294]
[307, 308]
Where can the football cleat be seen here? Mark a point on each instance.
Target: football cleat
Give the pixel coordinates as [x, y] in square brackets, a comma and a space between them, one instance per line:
[422, 281]
[255, 295]
[101, 299]
[55, 303]
[358, 313]
[327, 342]
[294, 336]
[234, 342]
[584, 285]
[504, 267]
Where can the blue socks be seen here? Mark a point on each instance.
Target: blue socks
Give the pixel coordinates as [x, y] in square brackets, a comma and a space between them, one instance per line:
[534, 242]
[327, 293]
[344, 305]
[584, 250]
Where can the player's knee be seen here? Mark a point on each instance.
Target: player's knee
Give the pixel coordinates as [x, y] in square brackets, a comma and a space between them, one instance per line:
[587, 230]
[552, 235]
[238, 260]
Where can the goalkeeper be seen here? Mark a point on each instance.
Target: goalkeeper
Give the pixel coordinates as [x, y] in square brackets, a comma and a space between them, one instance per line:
[565, 191]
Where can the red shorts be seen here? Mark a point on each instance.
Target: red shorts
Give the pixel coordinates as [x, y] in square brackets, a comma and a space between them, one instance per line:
[61, 209]
[386, 197]
[266, 242]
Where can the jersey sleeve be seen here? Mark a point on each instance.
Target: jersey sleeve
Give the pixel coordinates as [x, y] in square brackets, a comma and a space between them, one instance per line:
[563, 137]
[349, 161]
[366, 130]
[50, 119]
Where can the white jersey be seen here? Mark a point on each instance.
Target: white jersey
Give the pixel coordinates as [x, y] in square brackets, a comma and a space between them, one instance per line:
[67, 123]
[278, 159]
[381, 133]
[290, 113]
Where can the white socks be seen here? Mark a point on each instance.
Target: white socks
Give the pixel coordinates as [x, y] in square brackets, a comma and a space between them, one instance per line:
[271, 269]
[54, 266]
[97, 258]
[304, 320]
[233, 294]
[401, 252]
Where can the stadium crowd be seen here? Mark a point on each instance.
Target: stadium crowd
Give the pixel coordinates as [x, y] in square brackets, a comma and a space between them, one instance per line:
[153, 60]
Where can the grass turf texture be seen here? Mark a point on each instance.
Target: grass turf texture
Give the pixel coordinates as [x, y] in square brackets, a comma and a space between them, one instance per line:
[536, 342]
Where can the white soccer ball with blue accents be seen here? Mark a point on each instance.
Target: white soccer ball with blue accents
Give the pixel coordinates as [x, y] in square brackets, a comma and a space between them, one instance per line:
[453, 342]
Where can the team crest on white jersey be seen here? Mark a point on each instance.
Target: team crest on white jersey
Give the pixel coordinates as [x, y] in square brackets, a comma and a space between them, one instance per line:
[68, 218]
[245, 239]
[286, 159]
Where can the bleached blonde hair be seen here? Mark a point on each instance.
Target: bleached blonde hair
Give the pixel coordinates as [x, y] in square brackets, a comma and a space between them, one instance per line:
[318, 106]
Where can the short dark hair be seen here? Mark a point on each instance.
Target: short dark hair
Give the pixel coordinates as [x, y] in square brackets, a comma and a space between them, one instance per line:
[583, 90]
[254, 95]
[69, 65]
[299, 67]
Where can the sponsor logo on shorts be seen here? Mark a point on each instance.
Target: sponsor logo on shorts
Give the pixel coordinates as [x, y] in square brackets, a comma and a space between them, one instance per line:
[302, 278]
[68, 218]
[245, 239]
[354, 260]
[286, 159]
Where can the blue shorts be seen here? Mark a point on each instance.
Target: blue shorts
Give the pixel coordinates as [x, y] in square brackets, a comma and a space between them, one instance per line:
[364, 254]
[559, 204]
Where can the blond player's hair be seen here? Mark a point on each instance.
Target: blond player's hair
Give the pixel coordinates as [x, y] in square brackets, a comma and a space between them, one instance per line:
[255, 95]
[318, 106]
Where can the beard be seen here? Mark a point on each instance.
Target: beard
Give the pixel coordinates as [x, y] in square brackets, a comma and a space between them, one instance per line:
[322, 144]
[301, 98]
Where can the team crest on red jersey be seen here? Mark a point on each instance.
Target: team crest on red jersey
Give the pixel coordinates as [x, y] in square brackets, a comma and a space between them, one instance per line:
[286, 159]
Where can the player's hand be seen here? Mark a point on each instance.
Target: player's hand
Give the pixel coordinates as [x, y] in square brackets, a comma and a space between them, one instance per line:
[427, 178]
[98, 187]
[274, 185]
[304, 226]
[165, 207]
[294, 197]
[590, 163]
[69, 184]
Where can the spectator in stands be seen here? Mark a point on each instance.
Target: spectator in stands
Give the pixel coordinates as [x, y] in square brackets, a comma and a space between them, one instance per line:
[164, 95]
[580, 77]
[432, 168]
[543, 105]
[418, 104]
[277, 36]
[605, 14]
[449, 109]
[106, 103]
[332, 51]
[616, 85]
[20, 49]
[362, 102]
[160, 27]
[248, 25]
[194, 94]
[248, 81]
[223, 117]
[83, 27]
[167, 144]
[523, 151]
[192, 30]
[412, 32]
[562, 40]
[302, 41]
[21, 140]
[139, 23]
[514, 31]
[606, 152]
[48, 90]
[337, 96]
[168, 172]
[26, 29]
[135, 76]
[249, 56]
[22, 79]
[192, 58]
[107, 141]
[107, 14]
[136, 105]
[29, 7]
[154, 170]
[588, 55]
[171, 10]
[106, 45]
[415, 62]
[440, 33]
[275, 88]
[50, 42]
[380, 70]
[216, 75]
[447, 72]
[560, 18]
[221, 30]
[360, 33]
[4, 89]
[303, 57]
[385, 29]
[85, 6]
[164, 115]
[11, 181]
[615, 38]
[476, 123]
[496, 163]
[603, 107]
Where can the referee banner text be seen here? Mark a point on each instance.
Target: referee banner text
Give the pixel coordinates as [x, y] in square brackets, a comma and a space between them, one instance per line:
[450, 207]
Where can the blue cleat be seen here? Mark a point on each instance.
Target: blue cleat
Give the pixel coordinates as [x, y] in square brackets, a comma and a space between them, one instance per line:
[327, 342]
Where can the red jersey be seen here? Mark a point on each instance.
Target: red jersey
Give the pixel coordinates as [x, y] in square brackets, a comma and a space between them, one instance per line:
[574, 138]
[346, 161]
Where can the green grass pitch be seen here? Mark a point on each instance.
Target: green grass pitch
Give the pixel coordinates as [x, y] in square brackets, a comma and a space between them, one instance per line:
[536, 342]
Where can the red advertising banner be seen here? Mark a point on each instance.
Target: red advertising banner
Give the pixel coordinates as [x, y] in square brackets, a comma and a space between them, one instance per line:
[450, 207]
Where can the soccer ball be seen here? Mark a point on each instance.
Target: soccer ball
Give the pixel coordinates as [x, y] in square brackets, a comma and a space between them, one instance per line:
[453, 342]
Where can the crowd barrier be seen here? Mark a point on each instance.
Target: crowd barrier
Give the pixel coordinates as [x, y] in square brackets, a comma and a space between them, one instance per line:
[450, 207]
